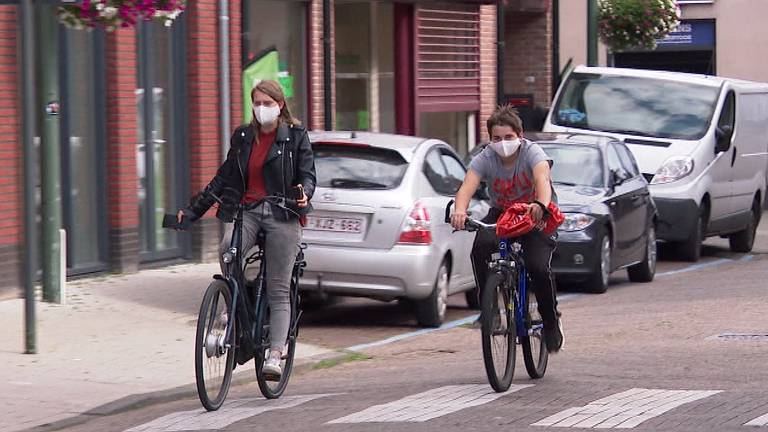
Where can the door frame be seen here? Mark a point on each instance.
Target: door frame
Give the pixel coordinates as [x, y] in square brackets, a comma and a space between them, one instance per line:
[178, 134]
[99, 112]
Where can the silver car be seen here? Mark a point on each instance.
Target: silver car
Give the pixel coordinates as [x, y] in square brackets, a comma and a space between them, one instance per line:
[378, 230]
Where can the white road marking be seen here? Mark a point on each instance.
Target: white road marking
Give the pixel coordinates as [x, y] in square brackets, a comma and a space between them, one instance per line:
[231, 412]
[760, 421]
[624, 410]
[445, 326]
[429, 404]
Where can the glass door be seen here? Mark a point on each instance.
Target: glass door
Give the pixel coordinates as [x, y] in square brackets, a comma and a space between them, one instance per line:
[159, 156]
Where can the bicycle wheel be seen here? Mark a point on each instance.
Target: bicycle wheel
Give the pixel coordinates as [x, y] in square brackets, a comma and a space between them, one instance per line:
[214, 356]
[498, 333]
[273, 387]
[535, 354]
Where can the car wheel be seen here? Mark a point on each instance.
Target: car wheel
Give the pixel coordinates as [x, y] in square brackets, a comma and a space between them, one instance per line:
[645, 270]
[598, 282]
[430, 312]
[743, 240]
[690, 250]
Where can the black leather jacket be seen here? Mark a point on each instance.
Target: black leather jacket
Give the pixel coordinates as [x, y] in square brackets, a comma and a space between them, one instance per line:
[289, 162]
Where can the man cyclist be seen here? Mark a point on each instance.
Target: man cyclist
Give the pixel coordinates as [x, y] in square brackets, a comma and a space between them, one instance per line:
[516, 171]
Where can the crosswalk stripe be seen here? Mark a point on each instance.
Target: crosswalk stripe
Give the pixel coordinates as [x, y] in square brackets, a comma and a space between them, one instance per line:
[231, 412]
[624, 410]
[760, 421]
[428, 405]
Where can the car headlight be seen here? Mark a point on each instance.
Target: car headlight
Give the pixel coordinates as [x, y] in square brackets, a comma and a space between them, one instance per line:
[576, 222]
[673, 169]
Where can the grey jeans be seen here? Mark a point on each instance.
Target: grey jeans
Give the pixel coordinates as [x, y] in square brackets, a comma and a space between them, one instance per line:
[281, 247]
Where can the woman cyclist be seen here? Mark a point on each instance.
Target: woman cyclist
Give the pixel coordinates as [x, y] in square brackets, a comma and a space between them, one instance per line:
[272, 156]
[517, 171]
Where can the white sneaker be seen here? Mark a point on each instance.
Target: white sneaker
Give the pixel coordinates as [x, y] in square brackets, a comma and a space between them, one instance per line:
[272, 364]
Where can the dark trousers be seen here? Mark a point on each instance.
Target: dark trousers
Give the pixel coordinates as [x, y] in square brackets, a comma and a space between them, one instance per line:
[537, 253]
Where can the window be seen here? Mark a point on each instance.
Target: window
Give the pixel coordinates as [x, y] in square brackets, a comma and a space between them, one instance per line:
[728, 114]
[637, 106]
[575, 165]
[455, 172]
[627, 161]
[614, 163]
[358, 167]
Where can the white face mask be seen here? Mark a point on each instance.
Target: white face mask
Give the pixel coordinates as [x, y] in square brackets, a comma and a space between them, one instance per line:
[266, 115]
[506, 148]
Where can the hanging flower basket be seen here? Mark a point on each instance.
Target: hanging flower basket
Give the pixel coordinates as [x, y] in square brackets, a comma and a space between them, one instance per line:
[626, 24]
[113, 14]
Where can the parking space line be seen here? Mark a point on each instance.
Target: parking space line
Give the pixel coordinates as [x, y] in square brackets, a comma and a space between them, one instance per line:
[715, 263]
[428, 405]
[624, 410]
[446, 326]
[760, 421]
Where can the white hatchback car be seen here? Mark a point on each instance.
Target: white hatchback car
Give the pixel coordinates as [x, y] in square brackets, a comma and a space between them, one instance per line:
[378, 230]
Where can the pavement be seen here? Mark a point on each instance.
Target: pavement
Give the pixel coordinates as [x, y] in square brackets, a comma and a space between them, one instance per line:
[119, 341]
[125, 341]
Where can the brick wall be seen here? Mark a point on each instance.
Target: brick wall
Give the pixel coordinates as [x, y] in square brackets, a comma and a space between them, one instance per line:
[203, 102]
[11, 184]
[122, 122]
[487, 67]
[527, 60]
[316, 56]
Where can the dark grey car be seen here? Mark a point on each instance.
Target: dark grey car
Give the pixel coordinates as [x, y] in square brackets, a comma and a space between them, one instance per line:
[610, 216]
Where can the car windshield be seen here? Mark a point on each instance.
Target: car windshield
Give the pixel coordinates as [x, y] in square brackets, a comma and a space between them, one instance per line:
[358, 167]
[636, 106]
[575, 165]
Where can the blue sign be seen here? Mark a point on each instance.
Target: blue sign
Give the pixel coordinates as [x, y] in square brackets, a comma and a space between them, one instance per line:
[689, 34]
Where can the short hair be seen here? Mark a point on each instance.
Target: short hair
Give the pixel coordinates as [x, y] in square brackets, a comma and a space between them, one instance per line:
[505, 115]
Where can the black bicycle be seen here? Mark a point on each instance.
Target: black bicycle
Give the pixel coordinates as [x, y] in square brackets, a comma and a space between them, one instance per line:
[509, 313]
[233, 323]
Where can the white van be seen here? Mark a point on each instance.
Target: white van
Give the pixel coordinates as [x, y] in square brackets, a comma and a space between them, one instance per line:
[700, 141]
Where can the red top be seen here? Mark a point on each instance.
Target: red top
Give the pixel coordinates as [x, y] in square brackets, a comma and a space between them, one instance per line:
[259, 150]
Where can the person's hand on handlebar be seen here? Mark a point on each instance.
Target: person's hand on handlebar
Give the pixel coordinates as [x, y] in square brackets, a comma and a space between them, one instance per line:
[304, 200]
[458, 219]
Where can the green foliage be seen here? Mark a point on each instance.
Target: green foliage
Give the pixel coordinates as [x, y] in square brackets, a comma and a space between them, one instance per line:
[626, 24]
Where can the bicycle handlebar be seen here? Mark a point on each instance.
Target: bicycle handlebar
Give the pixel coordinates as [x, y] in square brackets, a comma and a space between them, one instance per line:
[470, 224]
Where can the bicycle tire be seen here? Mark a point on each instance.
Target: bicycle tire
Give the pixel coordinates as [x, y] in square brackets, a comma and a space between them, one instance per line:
[209, 345]
[535, 354]
[269, 388]
[496, 304]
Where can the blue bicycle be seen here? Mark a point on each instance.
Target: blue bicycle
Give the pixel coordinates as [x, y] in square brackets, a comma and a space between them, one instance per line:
[509, 314]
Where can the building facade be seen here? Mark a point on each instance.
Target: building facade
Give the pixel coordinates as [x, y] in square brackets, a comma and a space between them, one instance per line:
[716, 37]
[137, 113]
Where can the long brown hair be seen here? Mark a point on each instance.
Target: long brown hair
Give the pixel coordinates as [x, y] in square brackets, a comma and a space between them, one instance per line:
[272, 89]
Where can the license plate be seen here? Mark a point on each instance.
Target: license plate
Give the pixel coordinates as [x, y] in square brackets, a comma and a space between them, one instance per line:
[335, 224]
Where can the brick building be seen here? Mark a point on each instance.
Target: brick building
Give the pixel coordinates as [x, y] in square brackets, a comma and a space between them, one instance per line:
[140, 127]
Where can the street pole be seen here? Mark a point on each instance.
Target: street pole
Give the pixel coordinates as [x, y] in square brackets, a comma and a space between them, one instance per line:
[50, 171]
[28, 121]
[591, 32]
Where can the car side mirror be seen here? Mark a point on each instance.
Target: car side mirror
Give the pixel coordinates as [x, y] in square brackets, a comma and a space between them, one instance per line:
[618, 176]
[723, 135]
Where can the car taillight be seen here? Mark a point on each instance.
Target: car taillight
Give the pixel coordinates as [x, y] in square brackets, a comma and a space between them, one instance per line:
[417, 226]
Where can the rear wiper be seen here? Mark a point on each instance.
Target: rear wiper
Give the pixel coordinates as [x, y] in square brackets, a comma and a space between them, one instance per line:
[356, 184]
[564, 183]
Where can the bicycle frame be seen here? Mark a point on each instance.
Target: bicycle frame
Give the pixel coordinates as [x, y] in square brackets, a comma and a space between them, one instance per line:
[234, 276]
[511, 262]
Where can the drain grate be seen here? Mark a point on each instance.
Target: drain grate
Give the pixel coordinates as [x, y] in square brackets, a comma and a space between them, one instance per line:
[757, 337]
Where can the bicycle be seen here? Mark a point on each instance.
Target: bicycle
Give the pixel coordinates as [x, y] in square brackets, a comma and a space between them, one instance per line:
[508, 289]
[240, 328]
